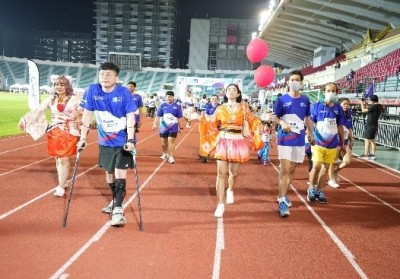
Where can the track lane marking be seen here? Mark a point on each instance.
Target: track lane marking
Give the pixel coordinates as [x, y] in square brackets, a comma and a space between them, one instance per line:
[342, 247]
[99, 234]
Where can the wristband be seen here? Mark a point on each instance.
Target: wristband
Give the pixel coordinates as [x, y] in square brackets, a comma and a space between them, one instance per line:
[130, 141]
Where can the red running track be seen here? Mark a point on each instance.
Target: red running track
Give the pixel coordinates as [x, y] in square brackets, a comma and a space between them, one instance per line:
[357, 234]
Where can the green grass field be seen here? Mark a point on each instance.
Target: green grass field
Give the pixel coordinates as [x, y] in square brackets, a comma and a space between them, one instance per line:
[12, 107]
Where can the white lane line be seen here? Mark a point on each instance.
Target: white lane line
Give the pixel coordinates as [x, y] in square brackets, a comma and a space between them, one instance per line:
[31, 164]
[14, 137]
[345, 251]
[371, 163]
[25, 146]
[24, 167]
[99, 234]
[219, 246]
[8, 213]
[371, 195]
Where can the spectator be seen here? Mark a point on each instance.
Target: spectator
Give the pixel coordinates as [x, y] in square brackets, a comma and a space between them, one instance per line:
[371, 128]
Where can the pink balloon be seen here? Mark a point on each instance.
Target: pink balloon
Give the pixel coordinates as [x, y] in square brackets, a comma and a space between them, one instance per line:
[264, 75]
[257, 50]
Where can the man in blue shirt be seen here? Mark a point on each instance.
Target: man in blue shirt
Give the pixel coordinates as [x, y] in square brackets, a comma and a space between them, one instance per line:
[329, 118]
[292, 111]
[113, 108]
[139, 103]
[169, 114]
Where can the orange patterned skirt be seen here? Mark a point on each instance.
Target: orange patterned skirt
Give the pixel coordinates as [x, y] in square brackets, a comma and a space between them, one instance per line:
[232, 148]
[61, 143]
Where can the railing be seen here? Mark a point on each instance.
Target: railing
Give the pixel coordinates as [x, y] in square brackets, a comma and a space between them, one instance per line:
[388, 132]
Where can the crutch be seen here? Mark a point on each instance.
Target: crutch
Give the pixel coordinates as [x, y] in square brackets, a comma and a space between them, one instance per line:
[133, 152]
[72, 186]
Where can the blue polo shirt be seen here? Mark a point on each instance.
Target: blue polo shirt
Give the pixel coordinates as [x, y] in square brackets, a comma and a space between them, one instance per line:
[292, 111]
[327, 120]
[110, 110]
[169, 115]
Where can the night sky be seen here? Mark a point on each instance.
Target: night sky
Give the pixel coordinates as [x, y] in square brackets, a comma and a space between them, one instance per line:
[77, 15]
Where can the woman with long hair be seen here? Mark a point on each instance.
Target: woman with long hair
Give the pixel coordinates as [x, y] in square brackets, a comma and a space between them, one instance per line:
[228, 143]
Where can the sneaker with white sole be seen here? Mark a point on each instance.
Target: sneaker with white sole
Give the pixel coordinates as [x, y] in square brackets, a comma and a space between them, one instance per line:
[171, 160]
[117, 217]
[59, 191]
[332, 183]
[108, 208]
[164, 156]
[219, 211]
[230, 198]
[287, 201]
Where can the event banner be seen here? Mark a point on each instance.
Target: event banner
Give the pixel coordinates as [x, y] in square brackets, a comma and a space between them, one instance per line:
[33, 91]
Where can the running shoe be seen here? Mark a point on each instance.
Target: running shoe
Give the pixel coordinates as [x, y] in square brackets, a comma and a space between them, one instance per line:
[332, 183]
[230, 199]
[59, 191]
[371, 157]
[265, 163]
[117, 217]
[320, 197]
[108, 208]
[219, 211]
[311, 195]
[164, 156]
[171, 160]
[283, 209]
[287, 201]
[363, 156]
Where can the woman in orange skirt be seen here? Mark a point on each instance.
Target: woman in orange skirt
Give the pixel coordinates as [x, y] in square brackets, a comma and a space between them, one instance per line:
[228, 144]
[63, 130]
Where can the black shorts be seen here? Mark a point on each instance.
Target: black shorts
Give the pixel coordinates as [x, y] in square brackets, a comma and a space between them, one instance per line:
[370, 132]
[111, 158]
[168, 135]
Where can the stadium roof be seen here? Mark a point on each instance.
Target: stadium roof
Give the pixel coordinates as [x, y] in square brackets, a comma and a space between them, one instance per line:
[298, 27]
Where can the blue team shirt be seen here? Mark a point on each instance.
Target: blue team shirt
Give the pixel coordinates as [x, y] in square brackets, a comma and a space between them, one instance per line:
[169, 115]
[347, 126]
[292, 111]
[327, 120]
[137, 99]
[210, 109]
[110, 110]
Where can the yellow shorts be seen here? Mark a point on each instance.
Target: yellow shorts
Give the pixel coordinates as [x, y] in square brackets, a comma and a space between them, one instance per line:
[323, 154]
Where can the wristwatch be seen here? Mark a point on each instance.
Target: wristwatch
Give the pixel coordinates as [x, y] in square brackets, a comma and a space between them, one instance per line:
[130, 141]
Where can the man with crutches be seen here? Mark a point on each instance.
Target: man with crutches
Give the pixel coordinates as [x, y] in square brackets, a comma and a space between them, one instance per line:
[113, 108]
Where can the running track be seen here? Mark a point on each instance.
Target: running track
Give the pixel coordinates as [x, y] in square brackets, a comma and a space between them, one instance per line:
[357, 234]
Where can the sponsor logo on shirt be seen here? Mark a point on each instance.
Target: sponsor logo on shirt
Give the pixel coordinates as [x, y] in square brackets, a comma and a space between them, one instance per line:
[116, 99]
[288, 104]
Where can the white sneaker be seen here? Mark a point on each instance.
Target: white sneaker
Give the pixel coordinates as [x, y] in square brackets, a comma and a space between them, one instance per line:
[229, 197]
[333, 183]
[59, 192]
[108, 208]
[219, 211]
[171, 160]
[117, 217]
[164, 156]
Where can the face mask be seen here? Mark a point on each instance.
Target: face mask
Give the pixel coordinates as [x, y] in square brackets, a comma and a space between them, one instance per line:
[330, 97]
[294, 85]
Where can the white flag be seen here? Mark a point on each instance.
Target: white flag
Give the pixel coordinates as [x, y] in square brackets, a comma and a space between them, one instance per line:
[33, 92]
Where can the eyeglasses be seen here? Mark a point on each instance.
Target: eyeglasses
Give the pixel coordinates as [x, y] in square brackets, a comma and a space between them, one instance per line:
[107, 75]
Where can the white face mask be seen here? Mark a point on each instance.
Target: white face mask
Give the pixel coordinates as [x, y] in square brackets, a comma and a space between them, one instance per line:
[330, 97]
[294, 85]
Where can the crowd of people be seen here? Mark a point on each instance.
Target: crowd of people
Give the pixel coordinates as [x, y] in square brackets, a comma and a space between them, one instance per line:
[229, 130]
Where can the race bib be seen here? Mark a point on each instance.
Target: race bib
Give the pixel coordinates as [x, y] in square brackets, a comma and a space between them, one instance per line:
[330, 126]
[296, 127]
